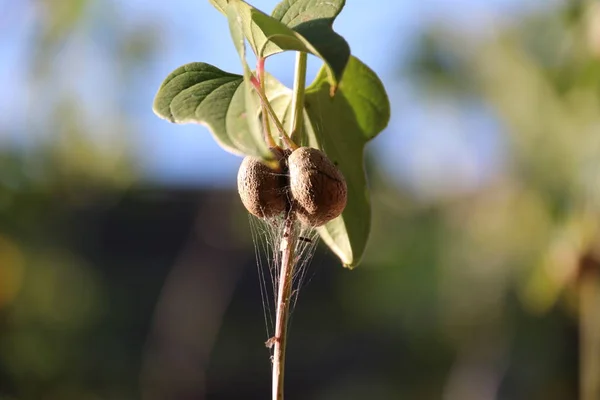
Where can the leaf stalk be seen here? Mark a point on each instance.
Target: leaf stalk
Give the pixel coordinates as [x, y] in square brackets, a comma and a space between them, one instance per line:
[260, 70]
[267, 105]
[298, 97]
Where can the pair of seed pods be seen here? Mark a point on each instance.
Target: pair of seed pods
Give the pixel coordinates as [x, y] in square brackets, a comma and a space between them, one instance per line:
[305, 183]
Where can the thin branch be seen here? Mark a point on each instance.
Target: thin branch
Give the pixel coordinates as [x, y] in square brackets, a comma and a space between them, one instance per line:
[266, 104]
[589, 329]
[260, 70]
[284, 292]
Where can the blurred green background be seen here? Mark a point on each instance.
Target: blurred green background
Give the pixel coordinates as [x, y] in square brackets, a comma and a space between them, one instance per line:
[126, 263]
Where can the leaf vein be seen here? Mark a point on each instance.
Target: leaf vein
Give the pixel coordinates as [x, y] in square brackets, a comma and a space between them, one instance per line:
[199, 86]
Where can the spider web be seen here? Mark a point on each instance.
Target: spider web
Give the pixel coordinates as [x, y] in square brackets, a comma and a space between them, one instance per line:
[267, 236]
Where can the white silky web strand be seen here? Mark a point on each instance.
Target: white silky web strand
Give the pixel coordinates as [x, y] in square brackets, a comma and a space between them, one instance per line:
[267, 236]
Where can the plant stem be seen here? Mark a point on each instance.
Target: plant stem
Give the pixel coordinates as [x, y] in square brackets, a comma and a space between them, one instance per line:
[298, 96]
[267, 105]
[284, 292]
[589, 331]
[260, 70]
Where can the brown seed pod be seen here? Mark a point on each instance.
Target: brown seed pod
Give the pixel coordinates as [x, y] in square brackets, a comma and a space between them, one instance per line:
[317, 186]
[262, 190]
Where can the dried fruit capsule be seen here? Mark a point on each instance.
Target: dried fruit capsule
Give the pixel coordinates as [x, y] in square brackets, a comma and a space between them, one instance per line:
[262, 190]
[316, 185]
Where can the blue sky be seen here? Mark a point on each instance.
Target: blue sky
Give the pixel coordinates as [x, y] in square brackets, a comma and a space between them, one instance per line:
[426, 142]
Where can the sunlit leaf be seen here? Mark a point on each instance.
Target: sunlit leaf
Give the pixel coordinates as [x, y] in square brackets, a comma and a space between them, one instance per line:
[301, 14]
[341, 126]
[251, 103]
[267, 35]
[201, 93]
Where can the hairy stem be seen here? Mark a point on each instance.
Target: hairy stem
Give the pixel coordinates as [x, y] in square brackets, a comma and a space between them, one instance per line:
[298, 97]
[267, 105]
[284, 292]
[260, 71]
[589, 332]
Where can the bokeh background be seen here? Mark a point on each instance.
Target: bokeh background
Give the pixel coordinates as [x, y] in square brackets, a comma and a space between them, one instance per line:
[127, 267]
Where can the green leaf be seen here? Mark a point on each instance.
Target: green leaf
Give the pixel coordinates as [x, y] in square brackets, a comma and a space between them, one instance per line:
[251, 102]
[313, 19]
[303, 13]
[201, 93]
[267, 35]
[341, 126]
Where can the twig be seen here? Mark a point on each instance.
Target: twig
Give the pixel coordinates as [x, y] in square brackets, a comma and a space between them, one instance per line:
[260, 71]
[589, 329]
[288, 244]
[267, 105]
